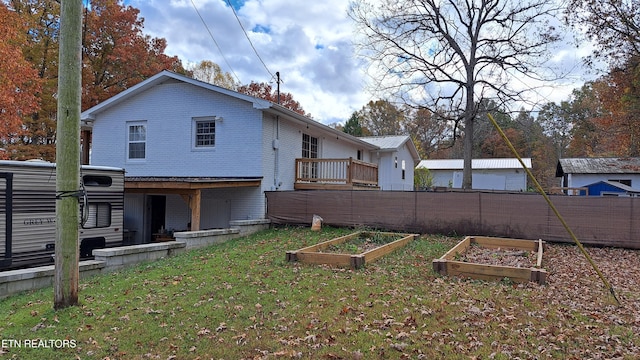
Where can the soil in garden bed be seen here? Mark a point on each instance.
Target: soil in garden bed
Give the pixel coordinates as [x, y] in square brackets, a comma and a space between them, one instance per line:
[500, 256]
[364, 242]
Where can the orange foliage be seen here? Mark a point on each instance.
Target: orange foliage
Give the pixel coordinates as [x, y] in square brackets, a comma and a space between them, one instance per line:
[19, 84]
[116, 53]
[266, 92]
[615, 129]
[495, 147]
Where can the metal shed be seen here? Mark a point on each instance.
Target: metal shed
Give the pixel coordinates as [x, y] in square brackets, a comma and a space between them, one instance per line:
[488, 174]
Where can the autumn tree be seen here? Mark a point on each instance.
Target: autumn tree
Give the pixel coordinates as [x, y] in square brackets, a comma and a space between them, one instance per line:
[453, 54]
[19, 83]
[41, 19]
[615, 126]
[116, 56]
[353, 126]
[614, 27]
[212, 73]
[557, 122]
[265, 91]
[484, 129]
[116, 52]
[428, 130]
[381, 117]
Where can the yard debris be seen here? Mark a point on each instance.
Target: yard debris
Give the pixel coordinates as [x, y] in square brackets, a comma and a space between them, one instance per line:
[502, 257]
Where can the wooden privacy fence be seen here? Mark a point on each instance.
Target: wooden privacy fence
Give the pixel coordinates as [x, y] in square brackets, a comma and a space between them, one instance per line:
[603, 221]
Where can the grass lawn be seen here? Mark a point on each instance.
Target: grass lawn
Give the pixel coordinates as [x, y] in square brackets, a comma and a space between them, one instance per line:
[242, 300]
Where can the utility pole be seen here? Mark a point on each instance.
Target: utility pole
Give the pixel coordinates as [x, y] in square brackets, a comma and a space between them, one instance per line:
[278, 85]
[66, 277]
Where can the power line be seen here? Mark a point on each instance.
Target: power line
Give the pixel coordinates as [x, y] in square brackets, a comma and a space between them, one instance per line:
[247, 36]
[215, 42]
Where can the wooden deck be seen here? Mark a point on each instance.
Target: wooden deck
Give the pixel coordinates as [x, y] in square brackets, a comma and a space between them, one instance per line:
[335, 174]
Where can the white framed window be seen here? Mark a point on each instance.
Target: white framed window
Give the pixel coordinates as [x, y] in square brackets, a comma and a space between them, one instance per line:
[137, 141]
[204, 132]
[309, 151]
[309, 146]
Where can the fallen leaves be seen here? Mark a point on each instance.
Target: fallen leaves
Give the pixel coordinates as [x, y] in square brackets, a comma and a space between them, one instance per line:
[227, 307]
[503, 257]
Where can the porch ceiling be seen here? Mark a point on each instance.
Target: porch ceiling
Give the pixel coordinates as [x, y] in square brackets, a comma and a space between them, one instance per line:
[181, 185]
[189, 188]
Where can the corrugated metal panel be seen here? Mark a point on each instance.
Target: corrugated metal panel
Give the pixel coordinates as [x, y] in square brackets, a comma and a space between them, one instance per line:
[387, 142]
[600, 166]
[476, 164]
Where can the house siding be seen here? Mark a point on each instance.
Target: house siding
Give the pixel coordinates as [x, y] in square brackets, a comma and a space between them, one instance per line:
[169, 123]
[290, 149]
[390, 176]
[494, 179]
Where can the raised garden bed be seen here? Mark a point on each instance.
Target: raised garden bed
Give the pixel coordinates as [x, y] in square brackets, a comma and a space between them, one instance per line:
[353, 250]
[490, 258]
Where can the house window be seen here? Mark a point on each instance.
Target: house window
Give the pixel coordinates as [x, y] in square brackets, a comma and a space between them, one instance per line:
[359, 155]
[204, 132]
[396, 162]
[403, 170]
[137, 141]
[309, 147]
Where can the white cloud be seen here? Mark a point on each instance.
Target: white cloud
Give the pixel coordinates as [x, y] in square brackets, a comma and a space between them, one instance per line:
[308, 42]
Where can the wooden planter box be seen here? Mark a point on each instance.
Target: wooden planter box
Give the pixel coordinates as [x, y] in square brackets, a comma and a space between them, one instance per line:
[314, 254]
[448, 265]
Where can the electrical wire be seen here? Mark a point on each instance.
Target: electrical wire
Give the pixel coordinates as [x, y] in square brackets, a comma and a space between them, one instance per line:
[215, 42]
[247, 36]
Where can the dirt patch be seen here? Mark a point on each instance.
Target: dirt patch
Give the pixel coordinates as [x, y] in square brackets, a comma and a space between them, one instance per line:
[502, 257]
[362, 243]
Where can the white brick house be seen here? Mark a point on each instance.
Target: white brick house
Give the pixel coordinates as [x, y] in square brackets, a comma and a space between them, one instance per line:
[198, 156]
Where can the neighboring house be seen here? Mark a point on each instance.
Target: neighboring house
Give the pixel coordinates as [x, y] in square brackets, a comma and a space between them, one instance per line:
[396, 157]
[487, 174]
[578, 174]
[198, 156]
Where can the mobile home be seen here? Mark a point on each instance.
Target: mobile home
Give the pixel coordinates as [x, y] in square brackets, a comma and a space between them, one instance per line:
[28, 206]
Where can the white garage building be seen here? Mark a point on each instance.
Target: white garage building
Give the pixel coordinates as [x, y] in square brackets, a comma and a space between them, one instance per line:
[487, 174]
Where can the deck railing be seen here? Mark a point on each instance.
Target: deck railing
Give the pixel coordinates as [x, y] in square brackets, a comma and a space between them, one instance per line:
[336, 171]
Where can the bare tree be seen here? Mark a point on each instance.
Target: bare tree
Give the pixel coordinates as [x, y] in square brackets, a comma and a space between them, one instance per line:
[455, 53]
[614, 26]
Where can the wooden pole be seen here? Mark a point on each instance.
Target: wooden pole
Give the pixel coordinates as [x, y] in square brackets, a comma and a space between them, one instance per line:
[68, 155]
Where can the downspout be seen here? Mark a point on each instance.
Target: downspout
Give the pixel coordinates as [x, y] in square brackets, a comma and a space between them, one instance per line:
[276, 149]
